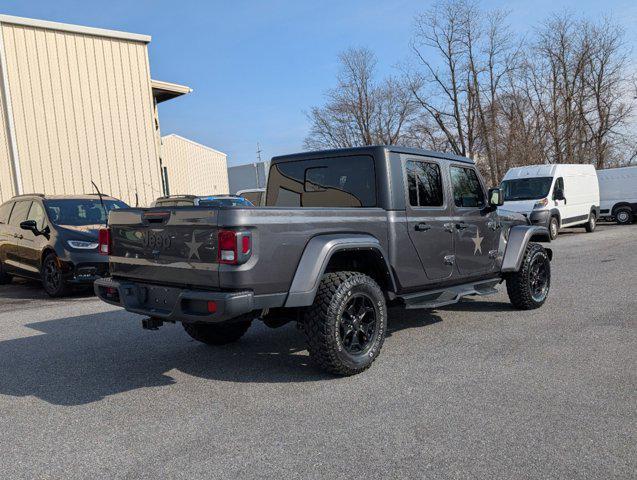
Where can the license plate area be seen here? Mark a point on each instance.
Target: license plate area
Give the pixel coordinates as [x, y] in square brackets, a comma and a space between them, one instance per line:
[160, 299]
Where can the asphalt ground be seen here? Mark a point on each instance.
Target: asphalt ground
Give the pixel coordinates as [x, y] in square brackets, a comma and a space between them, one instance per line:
[473, 390]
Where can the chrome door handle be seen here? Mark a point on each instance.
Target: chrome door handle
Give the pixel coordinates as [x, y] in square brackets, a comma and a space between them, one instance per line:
[422, 227]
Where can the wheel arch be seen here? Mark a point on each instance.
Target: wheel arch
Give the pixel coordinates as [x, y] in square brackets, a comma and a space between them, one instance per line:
[619, 205]
[519, 238]
[334, 252]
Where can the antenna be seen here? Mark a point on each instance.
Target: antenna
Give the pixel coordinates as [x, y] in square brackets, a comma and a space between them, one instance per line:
[99, 194]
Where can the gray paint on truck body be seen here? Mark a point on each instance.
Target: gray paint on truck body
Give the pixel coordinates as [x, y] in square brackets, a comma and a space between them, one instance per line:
[291, 247]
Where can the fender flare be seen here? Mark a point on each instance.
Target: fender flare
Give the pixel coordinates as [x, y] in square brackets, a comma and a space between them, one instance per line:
[519, 238]
[316, 257]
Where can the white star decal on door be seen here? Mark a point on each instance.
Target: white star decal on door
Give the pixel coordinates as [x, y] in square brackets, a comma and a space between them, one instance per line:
[193, 247]
[477, 242]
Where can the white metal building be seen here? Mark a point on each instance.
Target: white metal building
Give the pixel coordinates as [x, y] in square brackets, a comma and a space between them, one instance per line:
[77, 105]
[192, 168]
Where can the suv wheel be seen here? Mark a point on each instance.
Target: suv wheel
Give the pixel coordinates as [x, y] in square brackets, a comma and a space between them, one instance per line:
[4, 276]
[554, 227]
[345, 327]
[219, 333]
[52, 280]
[591, 224]
[624, 216]
[529, 287]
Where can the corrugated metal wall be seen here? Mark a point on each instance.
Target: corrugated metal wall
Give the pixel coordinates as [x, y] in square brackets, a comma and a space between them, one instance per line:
[82, 110]
[6, 184]
[193, 168]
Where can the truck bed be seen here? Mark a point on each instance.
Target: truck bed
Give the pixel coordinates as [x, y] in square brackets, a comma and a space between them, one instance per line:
[178, 246]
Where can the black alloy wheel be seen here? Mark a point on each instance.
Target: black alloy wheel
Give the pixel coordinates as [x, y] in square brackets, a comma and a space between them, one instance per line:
[52, 278]
[539, 277]
[358, 324]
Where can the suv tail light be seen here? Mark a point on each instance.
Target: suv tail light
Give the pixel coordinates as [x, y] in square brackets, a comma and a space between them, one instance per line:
[104, 241]
[235, 247]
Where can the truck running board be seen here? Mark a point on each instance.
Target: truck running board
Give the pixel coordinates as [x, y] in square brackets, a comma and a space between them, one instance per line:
[449, 295]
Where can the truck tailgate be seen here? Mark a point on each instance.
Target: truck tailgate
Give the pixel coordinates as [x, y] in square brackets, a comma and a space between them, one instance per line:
[166, 246]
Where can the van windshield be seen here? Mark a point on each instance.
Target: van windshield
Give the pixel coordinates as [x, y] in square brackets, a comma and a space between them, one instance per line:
[527, 188]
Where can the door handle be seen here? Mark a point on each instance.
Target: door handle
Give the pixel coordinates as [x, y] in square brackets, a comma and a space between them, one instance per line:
[448, 227]
[461, 226]
[422, 227]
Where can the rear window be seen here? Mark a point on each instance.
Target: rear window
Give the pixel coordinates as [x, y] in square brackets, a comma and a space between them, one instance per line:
[5, 211]
[19, 213]
[324, 182]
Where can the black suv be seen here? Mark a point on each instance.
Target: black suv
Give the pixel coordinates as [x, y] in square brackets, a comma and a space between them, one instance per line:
[54, 239]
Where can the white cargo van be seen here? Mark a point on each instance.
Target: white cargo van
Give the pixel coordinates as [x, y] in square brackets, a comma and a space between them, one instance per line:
[618, 193]
[555, 196]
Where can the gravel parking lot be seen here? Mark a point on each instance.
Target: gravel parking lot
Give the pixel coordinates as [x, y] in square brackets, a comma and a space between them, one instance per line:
[472, 390]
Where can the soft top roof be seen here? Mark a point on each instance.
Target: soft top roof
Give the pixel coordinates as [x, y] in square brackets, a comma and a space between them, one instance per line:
[371, 150]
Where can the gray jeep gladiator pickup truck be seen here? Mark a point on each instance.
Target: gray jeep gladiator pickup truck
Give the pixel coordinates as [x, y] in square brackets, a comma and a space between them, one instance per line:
[343, 233]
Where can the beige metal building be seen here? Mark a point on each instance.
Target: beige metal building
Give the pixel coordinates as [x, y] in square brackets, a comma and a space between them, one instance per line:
[192, 168]
[78, 105]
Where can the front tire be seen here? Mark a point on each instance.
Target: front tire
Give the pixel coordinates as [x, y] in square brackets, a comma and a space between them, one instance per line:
[624, 216]
[219, 333]
[554, 227]
[591, 224]
[529, 287]
[52, 278]
[346, 325]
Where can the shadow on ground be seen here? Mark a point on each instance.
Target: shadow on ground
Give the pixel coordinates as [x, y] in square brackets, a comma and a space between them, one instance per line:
[78, 360]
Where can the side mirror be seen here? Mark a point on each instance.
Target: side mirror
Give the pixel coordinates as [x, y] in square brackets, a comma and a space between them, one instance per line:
[496, 198]
[30, 225]
[558, 194]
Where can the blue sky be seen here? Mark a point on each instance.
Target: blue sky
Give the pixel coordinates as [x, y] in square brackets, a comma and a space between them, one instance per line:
[256, 67]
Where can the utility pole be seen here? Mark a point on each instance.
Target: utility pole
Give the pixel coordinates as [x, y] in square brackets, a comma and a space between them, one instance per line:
[256, 165]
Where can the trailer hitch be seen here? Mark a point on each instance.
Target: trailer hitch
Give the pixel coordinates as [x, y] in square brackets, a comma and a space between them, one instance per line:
[152, 323]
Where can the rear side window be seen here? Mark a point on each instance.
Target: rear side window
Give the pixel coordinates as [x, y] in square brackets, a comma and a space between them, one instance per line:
[5, 211]
[467, 191]
[325, 182]
[425, 184]
[19, 213]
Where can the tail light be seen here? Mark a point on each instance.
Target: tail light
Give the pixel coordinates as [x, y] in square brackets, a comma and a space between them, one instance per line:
[235, 247]
[104, 241]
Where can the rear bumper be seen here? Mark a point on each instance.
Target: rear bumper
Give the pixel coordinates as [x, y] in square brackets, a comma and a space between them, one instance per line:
[182, 305]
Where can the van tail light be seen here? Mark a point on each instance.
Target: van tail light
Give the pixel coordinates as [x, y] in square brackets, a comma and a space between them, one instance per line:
[104, 241]
[235, 247]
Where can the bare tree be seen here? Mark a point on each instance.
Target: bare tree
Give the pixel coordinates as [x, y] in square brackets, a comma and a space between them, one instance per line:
[360, 110]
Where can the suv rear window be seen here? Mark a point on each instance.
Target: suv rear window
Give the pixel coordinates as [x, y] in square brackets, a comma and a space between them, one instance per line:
[323, 182]
[19, 213]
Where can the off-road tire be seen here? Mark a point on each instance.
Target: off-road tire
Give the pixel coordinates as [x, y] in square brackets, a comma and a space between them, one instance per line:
[624, 216]
[322, 323]
[591, 224]
[219, 333]
[53, 289]
[519, 285]
[554, 227]
[4, 276]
